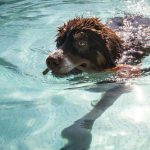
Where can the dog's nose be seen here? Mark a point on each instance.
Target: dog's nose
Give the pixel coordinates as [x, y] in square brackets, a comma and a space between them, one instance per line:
[53, 62]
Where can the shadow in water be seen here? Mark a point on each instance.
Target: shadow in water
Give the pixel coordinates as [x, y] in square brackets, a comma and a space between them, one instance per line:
[79, 134]
[15, 69]
[8, 65]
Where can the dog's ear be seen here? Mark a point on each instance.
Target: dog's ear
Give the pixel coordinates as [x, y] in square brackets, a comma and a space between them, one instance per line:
[110, 44]
[99, 38]
[113, 46]
[113, 43]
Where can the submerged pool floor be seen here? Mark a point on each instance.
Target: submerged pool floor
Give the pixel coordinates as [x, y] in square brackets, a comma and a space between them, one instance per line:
[46, 113]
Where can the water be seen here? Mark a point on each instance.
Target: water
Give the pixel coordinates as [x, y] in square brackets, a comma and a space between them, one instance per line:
[35, 109]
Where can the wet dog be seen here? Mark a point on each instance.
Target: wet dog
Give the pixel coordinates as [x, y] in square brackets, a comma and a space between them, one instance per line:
[85, 44]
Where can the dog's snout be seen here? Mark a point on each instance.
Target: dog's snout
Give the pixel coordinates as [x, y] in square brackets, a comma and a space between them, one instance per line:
[53, 62]
[55, 59]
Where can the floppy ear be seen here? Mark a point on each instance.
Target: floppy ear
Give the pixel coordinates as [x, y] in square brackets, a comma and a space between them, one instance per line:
[113, 43]
[100, 38]
[107, 51]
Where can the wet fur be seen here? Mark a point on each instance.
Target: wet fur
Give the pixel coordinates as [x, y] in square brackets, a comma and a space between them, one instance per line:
[101, 39]
[125, 41]
[122, 40]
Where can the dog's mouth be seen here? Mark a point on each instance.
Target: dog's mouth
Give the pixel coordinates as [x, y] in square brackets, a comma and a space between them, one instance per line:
[74, 71]
[68, 65]
[71, 69]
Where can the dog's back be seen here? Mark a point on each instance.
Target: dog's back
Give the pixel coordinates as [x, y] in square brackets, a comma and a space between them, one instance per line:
[135, 32]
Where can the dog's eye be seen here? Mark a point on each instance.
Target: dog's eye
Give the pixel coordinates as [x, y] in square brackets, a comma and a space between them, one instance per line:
[82, 43]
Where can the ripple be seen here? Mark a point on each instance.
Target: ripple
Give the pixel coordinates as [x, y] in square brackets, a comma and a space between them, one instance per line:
[35, 109]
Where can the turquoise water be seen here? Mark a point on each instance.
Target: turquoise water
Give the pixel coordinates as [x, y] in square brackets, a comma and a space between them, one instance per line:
[35, 109]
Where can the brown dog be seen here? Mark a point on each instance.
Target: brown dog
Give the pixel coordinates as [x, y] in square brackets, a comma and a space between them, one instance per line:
[85, 44]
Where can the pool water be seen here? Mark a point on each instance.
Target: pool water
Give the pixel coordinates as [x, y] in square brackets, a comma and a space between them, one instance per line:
[46, 113]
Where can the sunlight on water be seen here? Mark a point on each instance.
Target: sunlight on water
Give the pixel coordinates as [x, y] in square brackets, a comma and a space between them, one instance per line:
[37, 112]
[137, 115]
[139, 94]
[141, 7]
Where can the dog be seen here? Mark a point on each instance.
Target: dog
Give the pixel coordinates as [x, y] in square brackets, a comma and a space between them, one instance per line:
[87, 45]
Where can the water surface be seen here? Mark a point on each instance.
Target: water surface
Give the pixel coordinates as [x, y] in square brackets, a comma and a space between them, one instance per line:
[35, 109]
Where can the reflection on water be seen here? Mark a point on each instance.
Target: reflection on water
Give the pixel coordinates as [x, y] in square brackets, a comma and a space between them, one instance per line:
[79, 134]
[42, 113]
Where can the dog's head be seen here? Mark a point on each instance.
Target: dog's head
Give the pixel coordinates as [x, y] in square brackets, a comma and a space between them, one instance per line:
[83, 44]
